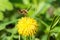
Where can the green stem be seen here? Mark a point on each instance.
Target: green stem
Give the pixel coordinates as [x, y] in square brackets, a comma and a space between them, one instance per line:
[24, 37]
[33, 37]
[41, 21]
[19, 37]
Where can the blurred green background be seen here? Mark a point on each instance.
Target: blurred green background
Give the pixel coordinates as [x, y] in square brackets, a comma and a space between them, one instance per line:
[46, 12]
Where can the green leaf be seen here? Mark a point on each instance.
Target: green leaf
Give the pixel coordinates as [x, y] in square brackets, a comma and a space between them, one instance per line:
[13, 31]
[26, 2]
[37, 39]
[19, 5]
[1, 16]
[57, 11]
[2, 8]
[15, 36]
[2, 27]
[3, 1]
[47, 15]
[5, 5]
[30, 12]
[9, 6]
[56, 29]
[4, 37]
[47, 5]
[44, 37]
[54, 22]
[42, 7]
[58, 36]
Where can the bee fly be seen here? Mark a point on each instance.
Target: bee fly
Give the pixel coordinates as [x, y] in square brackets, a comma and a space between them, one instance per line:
[24, 11]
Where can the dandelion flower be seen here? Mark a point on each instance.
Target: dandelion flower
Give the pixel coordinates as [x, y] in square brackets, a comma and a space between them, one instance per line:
[27, 26]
